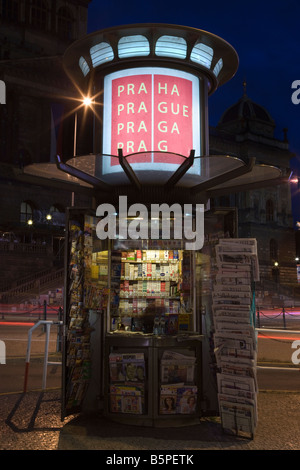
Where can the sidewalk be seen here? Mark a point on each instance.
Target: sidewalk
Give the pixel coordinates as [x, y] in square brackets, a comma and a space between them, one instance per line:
[31, 421]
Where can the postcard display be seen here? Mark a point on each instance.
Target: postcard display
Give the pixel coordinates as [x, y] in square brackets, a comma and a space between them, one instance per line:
[85, 297]
[234, 337]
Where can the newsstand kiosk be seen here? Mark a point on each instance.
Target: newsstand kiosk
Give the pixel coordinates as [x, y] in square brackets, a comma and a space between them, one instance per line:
[138, 326]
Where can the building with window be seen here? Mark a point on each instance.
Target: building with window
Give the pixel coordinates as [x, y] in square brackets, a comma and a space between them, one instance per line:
[39, 121]
[247, 129]
[33, 128]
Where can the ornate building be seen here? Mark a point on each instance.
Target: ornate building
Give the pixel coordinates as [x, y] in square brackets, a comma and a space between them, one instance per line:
[247, 129]
[33, 37]
[37, 122]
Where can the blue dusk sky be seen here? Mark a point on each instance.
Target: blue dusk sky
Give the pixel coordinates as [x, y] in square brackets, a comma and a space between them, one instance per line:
[265, 34]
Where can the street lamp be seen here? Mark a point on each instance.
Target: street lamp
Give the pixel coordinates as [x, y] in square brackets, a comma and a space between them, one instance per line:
[87, 102]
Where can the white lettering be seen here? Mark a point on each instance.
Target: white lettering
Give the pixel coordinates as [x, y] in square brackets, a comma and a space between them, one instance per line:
[106, 228]
[130, 127]
[130, 88]
[120, 127]
[130, 146]
[130, 107]
[296, 354]
[2, 92]
[142, 147]
[120, 108]
[162, 146]
[121, 88]
[164, 109]
[161, 127]
[175, 90]
[295, 96]
[2, 353]
[172, 109]
[137, 227]
[142, 88]
[161, 87]
[185, 110]
[142, 107]
[175, 128]
[142, 126]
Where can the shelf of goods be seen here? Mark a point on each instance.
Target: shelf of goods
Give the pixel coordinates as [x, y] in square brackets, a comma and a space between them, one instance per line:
[147, 281]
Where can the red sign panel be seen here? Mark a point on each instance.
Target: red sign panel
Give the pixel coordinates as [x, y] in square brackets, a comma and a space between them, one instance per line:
[173, 120]
[151, 110]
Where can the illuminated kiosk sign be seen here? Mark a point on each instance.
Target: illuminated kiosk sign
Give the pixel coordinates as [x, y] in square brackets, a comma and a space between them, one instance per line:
[151, 109]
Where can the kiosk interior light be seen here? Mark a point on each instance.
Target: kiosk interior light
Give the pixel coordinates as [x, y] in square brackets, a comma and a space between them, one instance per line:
[101, 53]
[133, 46]
[171, 46]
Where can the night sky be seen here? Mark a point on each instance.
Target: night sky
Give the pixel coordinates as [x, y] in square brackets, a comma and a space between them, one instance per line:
[265, 34]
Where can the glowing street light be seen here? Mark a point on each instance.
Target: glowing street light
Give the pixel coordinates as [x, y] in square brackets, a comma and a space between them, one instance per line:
[87, 101]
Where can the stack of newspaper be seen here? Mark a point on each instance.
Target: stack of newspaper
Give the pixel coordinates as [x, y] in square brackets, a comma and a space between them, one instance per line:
[234, 336]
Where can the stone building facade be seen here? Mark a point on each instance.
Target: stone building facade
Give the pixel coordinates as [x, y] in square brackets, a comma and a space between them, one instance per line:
[37, 122]
[33, 37]
[246, 129]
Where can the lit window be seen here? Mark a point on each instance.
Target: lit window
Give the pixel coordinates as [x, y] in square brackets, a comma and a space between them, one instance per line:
[218, 67]
[202, 54]
[101, 53]
[133, 46]
[25, 212]
[171, 46]
[84, 66]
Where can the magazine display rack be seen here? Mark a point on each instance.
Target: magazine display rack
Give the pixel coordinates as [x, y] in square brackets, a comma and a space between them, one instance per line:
[85, 293]
[178, 389]
[234, 337]
[152, 380]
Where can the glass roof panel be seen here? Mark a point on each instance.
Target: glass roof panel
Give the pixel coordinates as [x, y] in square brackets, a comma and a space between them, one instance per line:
[133, 46]
[171, 46]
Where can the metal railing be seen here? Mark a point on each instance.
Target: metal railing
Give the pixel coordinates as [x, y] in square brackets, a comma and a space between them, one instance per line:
[272, 314]
[47, 325]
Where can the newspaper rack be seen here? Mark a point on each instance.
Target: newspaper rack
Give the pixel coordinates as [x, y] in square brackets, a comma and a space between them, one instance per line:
[235, 343]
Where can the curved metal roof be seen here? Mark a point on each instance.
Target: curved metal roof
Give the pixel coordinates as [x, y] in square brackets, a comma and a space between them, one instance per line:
[191, 49]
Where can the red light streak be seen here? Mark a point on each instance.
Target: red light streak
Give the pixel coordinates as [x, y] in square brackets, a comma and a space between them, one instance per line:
[288, 338]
